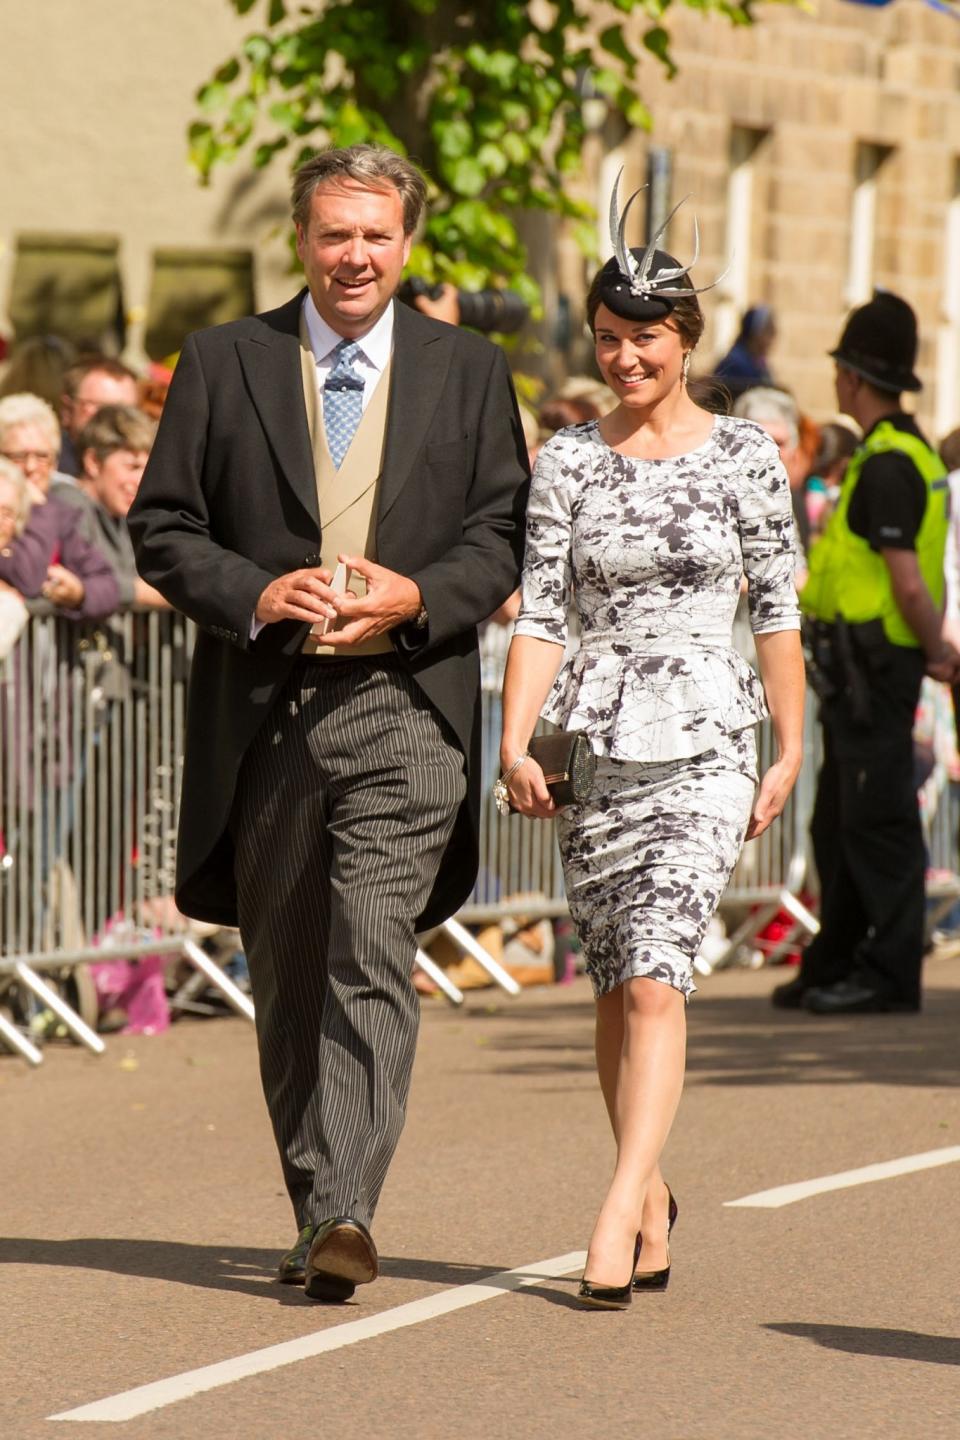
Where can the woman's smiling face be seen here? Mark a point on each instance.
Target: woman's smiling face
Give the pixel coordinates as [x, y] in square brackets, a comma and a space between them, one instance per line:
[641, 361]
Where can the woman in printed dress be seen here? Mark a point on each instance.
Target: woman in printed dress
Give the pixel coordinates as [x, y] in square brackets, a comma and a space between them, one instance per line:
[651, 516]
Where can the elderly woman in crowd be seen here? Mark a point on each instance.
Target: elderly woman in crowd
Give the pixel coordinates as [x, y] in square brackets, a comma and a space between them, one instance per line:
[47, 555]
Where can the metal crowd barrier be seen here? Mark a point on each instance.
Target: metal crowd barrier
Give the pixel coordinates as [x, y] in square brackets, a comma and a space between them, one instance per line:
[92, 720]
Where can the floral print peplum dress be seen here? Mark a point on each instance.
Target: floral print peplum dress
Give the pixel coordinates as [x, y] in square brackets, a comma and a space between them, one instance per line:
[653, 553]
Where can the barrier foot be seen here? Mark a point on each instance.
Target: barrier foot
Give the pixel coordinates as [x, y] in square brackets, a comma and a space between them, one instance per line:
[78, 1028]
[24, 1047]
[219, 979]
[798, 911]
[439, 977]
[747, 930]
[462, 938]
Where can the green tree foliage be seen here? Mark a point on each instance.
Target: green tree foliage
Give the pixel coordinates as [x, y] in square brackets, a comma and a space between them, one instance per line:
[486, 97]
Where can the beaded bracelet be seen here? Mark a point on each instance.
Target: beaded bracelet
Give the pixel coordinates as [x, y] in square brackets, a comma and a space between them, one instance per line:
[500, 792]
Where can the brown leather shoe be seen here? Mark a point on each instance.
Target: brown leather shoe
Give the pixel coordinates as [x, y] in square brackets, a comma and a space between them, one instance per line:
[342, 1256]
[292, 1268]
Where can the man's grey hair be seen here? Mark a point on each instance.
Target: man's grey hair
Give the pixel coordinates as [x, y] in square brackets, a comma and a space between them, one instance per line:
[374, 166]
[26, 409]
[763, 402]
[11, 474]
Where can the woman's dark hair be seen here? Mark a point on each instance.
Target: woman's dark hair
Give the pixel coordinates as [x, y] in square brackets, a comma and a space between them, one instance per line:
[710, 394]
[686, 312]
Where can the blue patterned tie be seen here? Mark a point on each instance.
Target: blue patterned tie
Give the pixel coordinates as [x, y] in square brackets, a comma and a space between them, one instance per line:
[342, 400]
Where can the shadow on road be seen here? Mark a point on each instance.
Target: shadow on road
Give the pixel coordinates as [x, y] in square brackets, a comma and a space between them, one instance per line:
[741, 1040]
[890, 1344]
[243, 1271]
[211, 1267]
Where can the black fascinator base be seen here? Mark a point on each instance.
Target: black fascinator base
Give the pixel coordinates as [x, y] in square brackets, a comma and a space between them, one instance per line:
[613, 289]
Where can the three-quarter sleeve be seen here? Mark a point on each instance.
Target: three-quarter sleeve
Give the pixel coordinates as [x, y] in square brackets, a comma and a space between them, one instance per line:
[768, 539]
[547, 564]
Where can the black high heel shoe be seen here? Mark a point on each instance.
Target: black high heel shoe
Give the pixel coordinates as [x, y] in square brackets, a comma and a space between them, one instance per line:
[657, 1279]
[609, 1297]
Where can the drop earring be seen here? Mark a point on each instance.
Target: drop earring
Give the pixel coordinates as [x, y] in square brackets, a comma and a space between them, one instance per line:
[686, 366]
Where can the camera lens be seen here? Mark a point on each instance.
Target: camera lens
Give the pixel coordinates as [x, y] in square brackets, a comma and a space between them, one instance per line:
[488, 310]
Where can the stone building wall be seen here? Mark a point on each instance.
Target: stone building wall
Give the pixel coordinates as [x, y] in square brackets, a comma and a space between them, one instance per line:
[94, 107]
[816, 94]
[94, 141]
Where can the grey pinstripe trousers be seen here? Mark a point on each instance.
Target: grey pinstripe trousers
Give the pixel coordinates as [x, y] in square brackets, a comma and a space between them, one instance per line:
[345, 802]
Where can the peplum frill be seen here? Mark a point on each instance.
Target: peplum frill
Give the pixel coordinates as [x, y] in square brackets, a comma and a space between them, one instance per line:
[650, 705]
[653, 552]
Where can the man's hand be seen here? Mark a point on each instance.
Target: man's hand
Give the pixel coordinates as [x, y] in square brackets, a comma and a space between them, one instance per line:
[299, 595]
[391, 599]
[63, 588]
[945, 665]
[446, 308]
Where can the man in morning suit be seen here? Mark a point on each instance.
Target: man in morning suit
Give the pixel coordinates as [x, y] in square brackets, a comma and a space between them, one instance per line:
[331, 783]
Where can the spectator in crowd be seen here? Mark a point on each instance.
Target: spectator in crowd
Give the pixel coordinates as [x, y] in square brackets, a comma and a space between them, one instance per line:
[838, 440]
[30, 437]
[950, 452]
[37, 367]
[14, 508]
[589, 389]
[873, 603]
[950, 455]
[14, 503]
[43, 554]
[113, 449]
[531, 432]
[745, 363]
[559, 411]
[94, 380]
[778, 413]
[153, 389]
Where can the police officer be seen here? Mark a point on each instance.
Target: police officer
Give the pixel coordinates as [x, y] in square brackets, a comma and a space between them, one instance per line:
[874, 600]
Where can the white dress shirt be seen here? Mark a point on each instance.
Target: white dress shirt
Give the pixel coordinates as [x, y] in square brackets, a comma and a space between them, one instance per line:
[375, 347]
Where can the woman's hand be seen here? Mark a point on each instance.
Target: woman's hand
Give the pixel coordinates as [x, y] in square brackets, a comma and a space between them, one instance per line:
[775, 789]
[63, 588]
[528, 792]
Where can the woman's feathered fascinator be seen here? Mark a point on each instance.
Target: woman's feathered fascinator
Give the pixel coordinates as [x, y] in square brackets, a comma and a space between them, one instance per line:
[645, 284]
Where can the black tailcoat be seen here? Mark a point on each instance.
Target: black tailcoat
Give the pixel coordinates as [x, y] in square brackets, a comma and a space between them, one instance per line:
[228, 502]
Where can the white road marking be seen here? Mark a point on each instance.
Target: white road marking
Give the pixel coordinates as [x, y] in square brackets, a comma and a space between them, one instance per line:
[131, 1403]
[886, 1170]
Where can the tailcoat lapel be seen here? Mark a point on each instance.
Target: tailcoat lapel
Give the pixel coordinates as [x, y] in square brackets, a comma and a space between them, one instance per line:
[271, 363]
[420, 359]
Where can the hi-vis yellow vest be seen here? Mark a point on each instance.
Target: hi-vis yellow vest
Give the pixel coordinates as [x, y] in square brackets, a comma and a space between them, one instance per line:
[850, 580]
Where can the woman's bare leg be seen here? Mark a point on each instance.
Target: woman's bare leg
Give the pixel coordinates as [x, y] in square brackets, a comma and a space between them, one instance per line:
[609, 1050]
[641, 1086]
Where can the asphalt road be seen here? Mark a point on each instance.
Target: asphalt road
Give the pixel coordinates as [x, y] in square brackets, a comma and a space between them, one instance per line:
[142, 1213]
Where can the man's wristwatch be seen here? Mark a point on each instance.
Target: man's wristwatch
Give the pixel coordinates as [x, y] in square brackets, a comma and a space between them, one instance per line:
[421, 618]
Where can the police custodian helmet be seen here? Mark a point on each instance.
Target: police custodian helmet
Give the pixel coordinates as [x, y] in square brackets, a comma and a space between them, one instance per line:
[879, 342]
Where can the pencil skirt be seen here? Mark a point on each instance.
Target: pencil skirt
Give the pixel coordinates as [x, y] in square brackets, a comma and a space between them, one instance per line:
[648, 855]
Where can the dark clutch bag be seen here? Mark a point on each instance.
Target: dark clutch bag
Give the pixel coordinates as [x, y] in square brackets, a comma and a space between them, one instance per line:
[568, 764]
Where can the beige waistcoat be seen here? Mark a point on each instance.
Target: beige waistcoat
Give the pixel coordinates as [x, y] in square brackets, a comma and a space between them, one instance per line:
[347, 498]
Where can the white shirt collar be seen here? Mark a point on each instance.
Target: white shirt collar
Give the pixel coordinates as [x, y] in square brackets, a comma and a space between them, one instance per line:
[376, 344]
